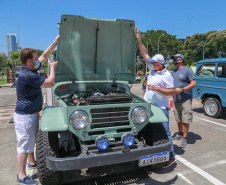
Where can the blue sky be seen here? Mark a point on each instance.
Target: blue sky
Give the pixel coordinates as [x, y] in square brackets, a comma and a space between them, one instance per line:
[37, 20]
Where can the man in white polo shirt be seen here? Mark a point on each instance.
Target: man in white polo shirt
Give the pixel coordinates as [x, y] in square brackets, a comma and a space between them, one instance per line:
[160, 85]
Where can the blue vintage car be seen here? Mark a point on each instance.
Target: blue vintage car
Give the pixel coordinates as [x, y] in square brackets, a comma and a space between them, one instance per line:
[210, 78]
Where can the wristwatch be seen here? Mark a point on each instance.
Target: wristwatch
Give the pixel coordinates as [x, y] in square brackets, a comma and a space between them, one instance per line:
[182, 89]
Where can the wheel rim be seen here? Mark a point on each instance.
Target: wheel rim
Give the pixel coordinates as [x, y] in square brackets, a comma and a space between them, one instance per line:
[211, 107]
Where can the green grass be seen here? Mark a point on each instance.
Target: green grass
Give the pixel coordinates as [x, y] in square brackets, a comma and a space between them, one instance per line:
[142, 78]
[3, 81]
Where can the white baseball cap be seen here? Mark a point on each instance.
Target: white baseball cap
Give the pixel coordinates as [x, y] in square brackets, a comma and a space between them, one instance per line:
[157, 58]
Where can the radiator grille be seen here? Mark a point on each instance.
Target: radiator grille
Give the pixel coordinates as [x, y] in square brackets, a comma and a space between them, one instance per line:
[110, 117]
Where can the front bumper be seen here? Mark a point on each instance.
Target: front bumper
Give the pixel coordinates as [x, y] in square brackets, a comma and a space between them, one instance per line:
[95, 160]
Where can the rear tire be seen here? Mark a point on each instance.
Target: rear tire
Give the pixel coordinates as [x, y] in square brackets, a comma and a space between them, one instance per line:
[212, 107]
[47, 145]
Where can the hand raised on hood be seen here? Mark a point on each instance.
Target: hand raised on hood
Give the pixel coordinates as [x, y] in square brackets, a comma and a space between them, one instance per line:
[53, 64]
[56, 39]
[137, 34]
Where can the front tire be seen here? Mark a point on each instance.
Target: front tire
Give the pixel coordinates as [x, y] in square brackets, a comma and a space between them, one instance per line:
[212, 107]
[47, 145]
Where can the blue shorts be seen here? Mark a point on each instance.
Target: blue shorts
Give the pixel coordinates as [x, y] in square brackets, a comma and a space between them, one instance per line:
[26, 128]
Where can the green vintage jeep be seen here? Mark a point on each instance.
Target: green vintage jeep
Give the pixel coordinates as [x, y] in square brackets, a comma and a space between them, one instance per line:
[94, 120]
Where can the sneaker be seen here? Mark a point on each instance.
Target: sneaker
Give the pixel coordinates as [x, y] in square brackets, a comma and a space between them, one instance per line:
[169, 163]
[26, 180]
[183, 143]
[30, 166]
[177, 137]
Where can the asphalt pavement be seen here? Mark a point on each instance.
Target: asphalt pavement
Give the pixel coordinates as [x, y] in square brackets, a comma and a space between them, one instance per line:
[202, 162]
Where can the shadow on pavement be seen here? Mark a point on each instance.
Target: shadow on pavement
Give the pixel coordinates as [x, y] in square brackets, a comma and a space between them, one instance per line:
[166, 170]
[201, 111]
[223, 116]
[192, 138]
[198, 110]
[35, 176]
[155, 182]
[125, 174]
[178, 150]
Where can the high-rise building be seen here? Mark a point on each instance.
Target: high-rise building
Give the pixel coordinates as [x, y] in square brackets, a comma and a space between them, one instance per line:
[11, 42]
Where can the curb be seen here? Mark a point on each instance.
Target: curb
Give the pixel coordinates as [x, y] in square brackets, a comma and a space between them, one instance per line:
[8, 85]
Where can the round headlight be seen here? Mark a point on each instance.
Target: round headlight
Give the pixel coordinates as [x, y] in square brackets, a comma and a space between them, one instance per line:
[102, 142]
[139, 115]
[128, 139]
[79, 119]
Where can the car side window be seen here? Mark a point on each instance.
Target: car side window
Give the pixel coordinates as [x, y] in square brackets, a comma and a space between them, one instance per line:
[206, 70]
[221, 71]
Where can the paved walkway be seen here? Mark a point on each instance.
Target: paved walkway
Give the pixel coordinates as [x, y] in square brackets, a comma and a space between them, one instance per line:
[8, 169]
[7, 85]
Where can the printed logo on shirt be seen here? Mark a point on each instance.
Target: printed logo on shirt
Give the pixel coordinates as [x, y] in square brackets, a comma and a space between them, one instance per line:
[181, 75]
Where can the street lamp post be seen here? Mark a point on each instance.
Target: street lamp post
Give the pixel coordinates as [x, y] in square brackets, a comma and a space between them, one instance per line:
[159, 40]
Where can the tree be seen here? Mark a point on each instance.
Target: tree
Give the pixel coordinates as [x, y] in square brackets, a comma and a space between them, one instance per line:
[168, 44]
[216, 44]
[193, 48]
[212, 43]
[14, 56]
[3, 62]
[39, 53]
[141, 66]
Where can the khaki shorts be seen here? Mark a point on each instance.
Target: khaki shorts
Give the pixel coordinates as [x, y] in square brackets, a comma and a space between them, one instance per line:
[183, 111]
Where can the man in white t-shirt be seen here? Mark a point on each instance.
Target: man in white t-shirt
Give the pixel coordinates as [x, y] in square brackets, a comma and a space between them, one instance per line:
[160, 85]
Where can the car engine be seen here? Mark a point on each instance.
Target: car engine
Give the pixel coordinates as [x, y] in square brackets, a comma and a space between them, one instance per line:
[114, 95]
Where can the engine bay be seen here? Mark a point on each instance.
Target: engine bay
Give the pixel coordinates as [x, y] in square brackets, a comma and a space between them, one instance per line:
[94, 94]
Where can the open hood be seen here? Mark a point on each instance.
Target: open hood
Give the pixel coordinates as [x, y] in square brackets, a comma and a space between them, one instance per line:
[95, 49]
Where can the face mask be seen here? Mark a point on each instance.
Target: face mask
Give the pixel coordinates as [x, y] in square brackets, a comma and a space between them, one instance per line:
[151, 66]
[175, 62]
[37, 65]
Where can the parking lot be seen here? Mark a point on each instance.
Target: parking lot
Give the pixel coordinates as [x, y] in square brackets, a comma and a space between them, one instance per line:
[202, 162]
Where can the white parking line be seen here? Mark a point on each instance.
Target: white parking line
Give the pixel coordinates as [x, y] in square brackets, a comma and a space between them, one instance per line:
[184, 178]
[199, 171]
[211, 121]
[30, 172]
[210, 165]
